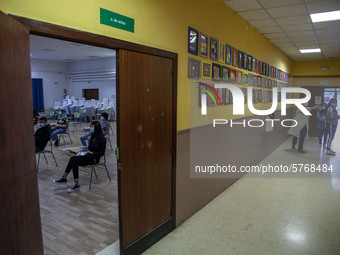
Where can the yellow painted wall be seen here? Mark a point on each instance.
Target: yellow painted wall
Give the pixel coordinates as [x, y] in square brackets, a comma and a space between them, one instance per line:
[312, 68]
[158, 23]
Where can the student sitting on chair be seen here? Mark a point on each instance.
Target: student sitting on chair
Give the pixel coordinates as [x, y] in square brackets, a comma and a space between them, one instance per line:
[42, 135]
[105, 125]
[92, 156]
[61, 126]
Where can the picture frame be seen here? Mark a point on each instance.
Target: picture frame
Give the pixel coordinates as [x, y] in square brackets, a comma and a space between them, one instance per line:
[232, 78]
[245, 79]
[225, 76]
[259, 81]
[250, 79]
[250, 63]
[193, 41]
[216, 72]
[260, 96]
[194, 66]
[254, 65]
[245, 61]
[204, 45]
[206, 70]
[220, 93]
[213, 49]
[240, 59]
[258, 64]
[239, 77]
[254, 80]
[228, 54]
[227, 96]
[244, 90]
[235, 57]
[221, 52]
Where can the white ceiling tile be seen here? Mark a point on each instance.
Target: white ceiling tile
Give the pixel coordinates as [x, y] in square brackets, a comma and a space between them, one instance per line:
[292, 28]
[307, 45]
[243, 5]
[285, 44]
[296, 39]
[277, 3]
[254, 15]
[328, 31]
[265, 30]
[275, 35]
[263, 23]
[280, 40]
[323, 6]
[311, 56]
[286, 11]
[300, 33]
[302, 19]
[289, 49]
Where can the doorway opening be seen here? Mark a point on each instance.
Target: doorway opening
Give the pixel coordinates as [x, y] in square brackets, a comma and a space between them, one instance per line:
[81, 79]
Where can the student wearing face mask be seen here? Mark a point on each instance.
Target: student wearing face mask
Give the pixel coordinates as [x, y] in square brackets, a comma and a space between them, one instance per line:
[61, 126]
[322, 126]
[105, 125]
[300, 131]
[95, 150]
[42, 135]
[332, 124]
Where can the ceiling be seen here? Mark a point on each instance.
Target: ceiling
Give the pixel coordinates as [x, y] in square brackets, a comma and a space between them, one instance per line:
[287, 24]
[65, 51]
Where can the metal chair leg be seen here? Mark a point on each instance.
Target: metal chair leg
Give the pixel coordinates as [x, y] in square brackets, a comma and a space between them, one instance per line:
[91, 178]
[107, 173]
[45, 158]
[110, 142]
[55, 161]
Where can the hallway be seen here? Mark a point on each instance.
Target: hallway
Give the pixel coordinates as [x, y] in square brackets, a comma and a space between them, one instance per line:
[267, 216]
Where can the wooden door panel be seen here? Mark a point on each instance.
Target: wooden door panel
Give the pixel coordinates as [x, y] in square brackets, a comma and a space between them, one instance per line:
[20, 231]
[145, 142]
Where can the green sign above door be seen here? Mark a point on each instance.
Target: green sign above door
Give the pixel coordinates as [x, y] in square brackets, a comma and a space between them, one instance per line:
[116, 20]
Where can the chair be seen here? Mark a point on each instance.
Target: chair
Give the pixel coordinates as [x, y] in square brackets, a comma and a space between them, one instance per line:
[46, 151]
[108, 138]
[56, 106]
[74, 123]
[93, 169]
[66, 133]
[110, 119]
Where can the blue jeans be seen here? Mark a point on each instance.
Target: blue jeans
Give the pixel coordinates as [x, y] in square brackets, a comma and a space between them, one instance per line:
[303, 134]
[331, 129]
[323, 133]
[56, 132]
[84, 138]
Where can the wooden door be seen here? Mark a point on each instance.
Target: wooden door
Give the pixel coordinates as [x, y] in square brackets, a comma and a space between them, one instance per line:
[313, 121]
[20, 231]
[145, 140]
[91, 94]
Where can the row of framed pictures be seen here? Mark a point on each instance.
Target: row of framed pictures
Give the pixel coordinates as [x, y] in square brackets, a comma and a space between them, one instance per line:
[259, 96]
[201, 44]
[218, 72]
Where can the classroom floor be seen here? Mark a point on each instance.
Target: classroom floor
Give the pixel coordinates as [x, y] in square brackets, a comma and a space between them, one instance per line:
[261, 216]
[83, 222]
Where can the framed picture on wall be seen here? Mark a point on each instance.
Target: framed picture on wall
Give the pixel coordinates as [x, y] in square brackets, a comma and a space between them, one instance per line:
[225, 73]
[228, 54]
[244, 90]
[193, 41]
[239, 77]
[220, 93]
[250, 79]
[206, 70]
[194, 66]
[254, 80]
[259, 81]
[260, 96]
[245, 79]
[235, 58]
[232, 75]
[213, 48]
[240, 59]
[216, 72]
[204, 45]
[221, 52]
[250, 63]
[245, 61]
[254, 64]
[226, 93]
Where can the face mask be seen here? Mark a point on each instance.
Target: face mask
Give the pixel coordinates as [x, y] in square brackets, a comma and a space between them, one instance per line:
[42, 124]
[92, 129]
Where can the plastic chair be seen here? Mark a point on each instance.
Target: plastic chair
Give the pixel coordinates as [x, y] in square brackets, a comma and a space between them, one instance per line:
[46, 151]
[66, 133]
[56, 106]
[93, 169]
[76, 115]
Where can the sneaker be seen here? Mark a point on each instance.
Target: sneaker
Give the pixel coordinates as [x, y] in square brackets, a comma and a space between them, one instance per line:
[75, 186]
[330, 152]
[60, 180]
[301, 151]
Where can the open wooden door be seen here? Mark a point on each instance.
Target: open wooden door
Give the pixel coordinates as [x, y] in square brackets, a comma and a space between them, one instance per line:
[145, 141]
[20, 231]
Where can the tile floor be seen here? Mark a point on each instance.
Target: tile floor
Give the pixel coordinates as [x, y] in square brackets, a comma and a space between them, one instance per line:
[262, 216]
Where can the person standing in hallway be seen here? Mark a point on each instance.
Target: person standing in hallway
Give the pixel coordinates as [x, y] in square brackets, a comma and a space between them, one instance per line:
[332, 118]
[299, 132]
[322, 125]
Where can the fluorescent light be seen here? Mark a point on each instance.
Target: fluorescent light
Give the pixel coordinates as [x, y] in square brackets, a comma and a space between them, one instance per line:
[325, 16]
[310, 50]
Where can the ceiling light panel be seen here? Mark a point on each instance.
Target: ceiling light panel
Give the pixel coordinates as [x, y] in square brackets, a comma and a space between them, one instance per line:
[325, 16]
[310, 50]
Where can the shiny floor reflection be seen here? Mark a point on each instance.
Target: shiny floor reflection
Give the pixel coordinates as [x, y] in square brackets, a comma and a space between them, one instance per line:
[267, 216]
